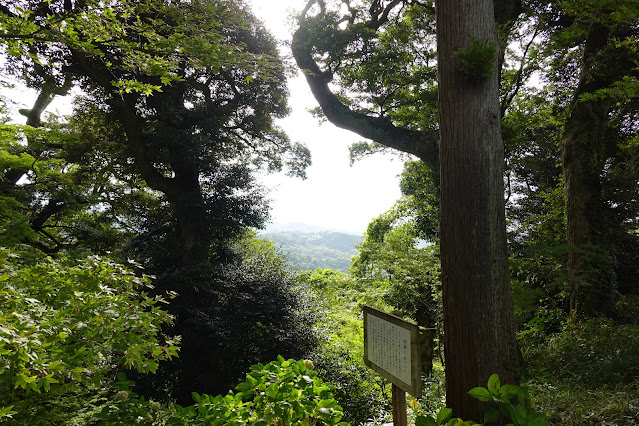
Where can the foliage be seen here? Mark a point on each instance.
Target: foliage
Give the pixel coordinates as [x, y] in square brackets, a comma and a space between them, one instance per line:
[282, 392]
[602, 56]
[598, 352]
[178, 114]
[65, 192]
[164, 38]
[478, 60]
[400, 247]
[217, 84]
[565, 403]
[68, 325]
[552, 39]
[401, 250]
[339, 355]
[363, 395]
[238, 310]
[501, 400]
[433, 398]
[587, 373]
[389, 72]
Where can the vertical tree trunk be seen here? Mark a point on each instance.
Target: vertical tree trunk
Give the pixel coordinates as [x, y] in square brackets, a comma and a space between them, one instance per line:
[193, 236]
[479, 334]
[591, 288]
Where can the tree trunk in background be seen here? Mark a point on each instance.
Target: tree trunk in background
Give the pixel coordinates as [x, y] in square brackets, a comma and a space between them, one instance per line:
[479, 334]
[591, 286]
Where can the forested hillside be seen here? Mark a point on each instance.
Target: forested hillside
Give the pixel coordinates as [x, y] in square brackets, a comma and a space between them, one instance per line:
[307, 251]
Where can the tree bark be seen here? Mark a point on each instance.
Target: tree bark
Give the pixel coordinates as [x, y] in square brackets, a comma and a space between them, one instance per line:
[479, 333]
[591, 291]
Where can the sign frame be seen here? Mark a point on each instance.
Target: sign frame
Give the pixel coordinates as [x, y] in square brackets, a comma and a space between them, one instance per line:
[415, 385]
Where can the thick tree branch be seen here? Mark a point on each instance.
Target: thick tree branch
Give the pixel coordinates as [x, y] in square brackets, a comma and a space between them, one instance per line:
[423, 144]
[45, 97]
[124, 107]
[380, 13]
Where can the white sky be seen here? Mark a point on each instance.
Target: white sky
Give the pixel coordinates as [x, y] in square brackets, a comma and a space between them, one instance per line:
[335, 196]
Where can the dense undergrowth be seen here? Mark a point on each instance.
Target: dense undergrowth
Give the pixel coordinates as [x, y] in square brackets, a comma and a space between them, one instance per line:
[586, 373]
[577, 372]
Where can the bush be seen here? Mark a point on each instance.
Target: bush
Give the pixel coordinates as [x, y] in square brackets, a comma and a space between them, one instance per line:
[339, 358]
[63, 326]
[231, 314]
[588, 374]
[359, 391]
[279, 393]
[591, 353]
[510, 401]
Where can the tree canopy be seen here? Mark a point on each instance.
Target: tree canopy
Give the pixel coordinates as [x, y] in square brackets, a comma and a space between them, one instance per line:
[176, 114]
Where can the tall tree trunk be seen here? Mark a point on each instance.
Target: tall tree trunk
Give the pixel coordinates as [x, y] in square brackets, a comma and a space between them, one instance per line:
[591, 287]
[189, 208]
[479, 334]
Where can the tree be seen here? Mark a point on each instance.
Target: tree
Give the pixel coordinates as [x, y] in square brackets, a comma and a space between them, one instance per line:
[480, 336]
[535, 209]
[338, 356]
[216, 91]
[69, 192]
[401, 250]
[474, 255]
[181, 99]
[391, 98]
[234, 312]
[603, 34]
[586, 109]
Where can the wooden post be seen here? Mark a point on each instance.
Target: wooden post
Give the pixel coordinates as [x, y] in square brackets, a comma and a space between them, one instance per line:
[399, 407]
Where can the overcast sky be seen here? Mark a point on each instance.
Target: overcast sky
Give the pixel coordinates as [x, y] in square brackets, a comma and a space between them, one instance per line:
[335, 195]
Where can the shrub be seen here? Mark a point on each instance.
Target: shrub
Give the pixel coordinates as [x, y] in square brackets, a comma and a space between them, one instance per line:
[591, 353]
[511, 401]
[588, 374]
[63, 326]
[283, 392]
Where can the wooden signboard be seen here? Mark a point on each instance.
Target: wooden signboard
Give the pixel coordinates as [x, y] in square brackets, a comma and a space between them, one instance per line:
[392, 349]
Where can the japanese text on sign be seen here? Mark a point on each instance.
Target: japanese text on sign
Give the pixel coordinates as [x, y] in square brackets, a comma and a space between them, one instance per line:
[389, 347]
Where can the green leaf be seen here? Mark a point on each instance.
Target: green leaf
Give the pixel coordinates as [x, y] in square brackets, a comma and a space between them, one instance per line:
[481, 394]
[537, 419]
[7, 412]
[494, 384]
[523, 398]
[478, 59]
[508, 391]
[424, 421]
[443, 415]
[517, 414]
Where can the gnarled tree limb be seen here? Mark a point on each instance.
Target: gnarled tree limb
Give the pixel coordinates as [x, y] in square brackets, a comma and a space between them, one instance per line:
[423, 144]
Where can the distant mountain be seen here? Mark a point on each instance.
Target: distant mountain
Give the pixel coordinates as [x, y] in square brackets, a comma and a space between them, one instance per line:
[313, 250]
[276, 228]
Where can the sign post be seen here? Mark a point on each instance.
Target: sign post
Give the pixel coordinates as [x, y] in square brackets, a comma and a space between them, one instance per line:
[392, 349]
